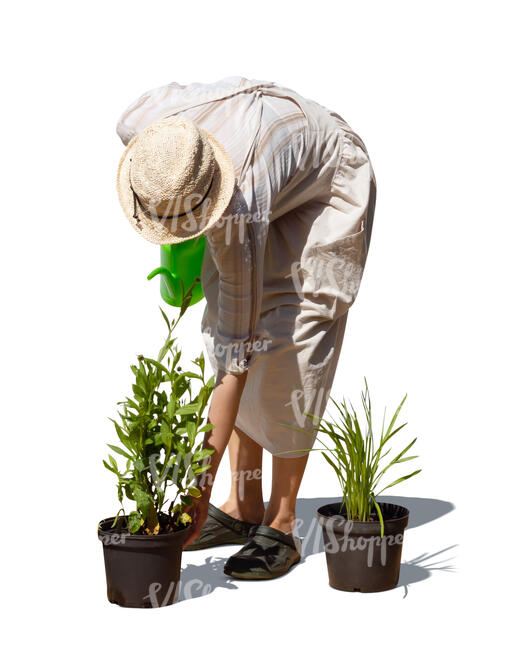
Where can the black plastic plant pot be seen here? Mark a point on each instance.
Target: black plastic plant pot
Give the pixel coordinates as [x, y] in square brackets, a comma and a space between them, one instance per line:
[357, 557]
[141, 570]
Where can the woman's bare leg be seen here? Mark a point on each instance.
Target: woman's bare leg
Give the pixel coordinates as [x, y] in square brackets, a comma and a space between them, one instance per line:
[286, 478]
[245, 501]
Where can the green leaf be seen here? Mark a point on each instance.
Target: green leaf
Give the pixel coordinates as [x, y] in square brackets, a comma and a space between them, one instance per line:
[122, 436]
[380, 516]
[194, 491]
[187, 409]
[165, 318]
[187, 297]
[165, 371]
[109, 468]
[202, 454]
[191, 431]
[400, 480]
[192, 375]
[185, 518]
[330, 462]
[135, 521]
[143, 500]
[198, 469]
[138, 392]
[139, 465]
[166, 434]
[120, 451]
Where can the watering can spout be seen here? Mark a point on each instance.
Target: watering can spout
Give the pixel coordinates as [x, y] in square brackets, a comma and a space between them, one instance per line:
[172, 285]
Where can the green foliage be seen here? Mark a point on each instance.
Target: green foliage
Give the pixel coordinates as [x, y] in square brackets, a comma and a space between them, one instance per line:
[357, 459]
[160, 428]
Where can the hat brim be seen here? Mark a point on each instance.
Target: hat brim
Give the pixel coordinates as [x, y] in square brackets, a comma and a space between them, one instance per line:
[172, 230]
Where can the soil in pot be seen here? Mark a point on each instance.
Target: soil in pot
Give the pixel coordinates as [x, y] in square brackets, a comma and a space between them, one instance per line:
[358, 558]
[141, 570]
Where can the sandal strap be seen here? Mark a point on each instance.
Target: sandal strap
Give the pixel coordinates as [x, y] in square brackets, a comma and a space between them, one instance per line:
[236, 525]
[273, 533]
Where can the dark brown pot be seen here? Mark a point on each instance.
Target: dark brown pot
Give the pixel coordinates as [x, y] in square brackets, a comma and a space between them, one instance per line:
[141, 570]
[357, 557]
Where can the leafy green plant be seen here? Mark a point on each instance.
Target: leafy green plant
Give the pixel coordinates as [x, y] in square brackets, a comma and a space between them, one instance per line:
[159, 428]
[358, 460]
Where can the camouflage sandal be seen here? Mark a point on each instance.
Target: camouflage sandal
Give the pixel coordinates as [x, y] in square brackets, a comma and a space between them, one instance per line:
[220, 528]
[269, 553]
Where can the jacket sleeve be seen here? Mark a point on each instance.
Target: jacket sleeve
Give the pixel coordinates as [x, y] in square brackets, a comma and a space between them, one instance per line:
[157, 103]
[153, 105]
[237, 249]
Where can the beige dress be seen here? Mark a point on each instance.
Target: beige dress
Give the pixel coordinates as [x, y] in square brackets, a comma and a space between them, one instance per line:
[281, 273]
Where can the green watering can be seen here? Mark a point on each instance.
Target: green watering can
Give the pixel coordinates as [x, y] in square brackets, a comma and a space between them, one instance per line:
[180, 263]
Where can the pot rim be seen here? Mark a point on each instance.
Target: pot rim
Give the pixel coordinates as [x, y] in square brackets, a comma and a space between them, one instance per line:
[172, 534]
[391, 524]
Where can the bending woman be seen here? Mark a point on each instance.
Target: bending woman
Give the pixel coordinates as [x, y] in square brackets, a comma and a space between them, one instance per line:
[284, 192]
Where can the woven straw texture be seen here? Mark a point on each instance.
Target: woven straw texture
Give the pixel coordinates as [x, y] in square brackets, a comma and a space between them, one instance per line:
[183, 179]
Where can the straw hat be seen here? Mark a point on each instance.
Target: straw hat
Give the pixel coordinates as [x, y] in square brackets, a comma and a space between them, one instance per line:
[174, 181]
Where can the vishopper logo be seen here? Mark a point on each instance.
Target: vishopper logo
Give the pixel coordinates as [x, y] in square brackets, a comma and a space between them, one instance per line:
[307, 405]
[240, 477]
[341, 542]
[190, 212]
[320, 272]
[159, 478]
[235, 223]
[310, 538]
[184, 591]
[238, 352]
[114, 539]
[201, 480]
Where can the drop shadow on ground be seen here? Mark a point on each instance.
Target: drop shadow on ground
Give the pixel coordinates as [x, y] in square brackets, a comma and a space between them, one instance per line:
[199, 580]
[421, 568]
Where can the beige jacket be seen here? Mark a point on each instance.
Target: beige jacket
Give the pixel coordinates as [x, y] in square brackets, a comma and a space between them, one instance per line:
[281, 272]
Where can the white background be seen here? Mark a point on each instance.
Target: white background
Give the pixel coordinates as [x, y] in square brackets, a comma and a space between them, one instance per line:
[425, 85]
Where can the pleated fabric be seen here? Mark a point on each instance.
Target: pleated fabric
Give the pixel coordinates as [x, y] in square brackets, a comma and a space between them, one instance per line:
[281, 272]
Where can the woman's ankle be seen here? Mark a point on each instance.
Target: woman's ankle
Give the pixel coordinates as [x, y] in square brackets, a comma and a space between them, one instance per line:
[285, 522]
[243, 510]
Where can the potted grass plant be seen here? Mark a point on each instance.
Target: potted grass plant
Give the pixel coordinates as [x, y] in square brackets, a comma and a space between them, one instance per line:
[363, 536]
[157, 460]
